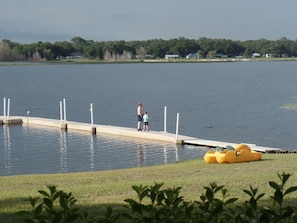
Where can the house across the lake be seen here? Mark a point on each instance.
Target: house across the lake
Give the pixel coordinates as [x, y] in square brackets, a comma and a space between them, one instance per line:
[171, 56]
[192, 56]
[75, 55]
[256, 55]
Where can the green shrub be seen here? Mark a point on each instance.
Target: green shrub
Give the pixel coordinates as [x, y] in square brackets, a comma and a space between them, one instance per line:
[56, 206]
[155, 204]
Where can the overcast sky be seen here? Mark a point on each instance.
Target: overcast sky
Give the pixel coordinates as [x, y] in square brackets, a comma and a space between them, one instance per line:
[27, 21]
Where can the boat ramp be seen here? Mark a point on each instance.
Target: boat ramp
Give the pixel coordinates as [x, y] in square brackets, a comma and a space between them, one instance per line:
[127, 132]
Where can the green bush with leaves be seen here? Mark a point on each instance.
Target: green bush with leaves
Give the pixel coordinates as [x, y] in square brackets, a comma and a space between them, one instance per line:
[56, 206]
[155, 204]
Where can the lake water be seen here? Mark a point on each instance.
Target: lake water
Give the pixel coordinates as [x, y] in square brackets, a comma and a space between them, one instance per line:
[241, 102]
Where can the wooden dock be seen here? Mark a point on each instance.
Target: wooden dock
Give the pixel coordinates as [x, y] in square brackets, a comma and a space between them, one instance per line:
[127, 132]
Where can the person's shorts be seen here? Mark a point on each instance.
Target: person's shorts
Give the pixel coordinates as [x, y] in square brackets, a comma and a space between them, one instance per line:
[139, 118]
[145, 123]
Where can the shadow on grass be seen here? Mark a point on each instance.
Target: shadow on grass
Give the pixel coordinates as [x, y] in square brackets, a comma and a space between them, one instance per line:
[10, 209]
[263, 160]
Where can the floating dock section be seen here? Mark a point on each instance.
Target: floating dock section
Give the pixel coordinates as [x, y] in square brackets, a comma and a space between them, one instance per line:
[213, 144]
[126, 132]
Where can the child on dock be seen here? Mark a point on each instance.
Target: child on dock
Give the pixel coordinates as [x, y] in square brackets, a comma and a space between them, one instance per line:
[145, 122]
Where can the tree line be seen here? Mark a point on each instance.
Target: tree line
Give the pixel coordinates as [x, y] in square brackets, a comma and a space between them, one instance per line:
[155, 48]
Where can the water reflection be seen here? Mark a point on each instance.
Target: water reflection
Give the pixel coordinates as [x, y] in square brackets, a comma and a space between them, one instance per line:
[7, 148]
[92, 153]
[139, 154]
[49, 150]
[165, 154]
[63, 151]
[176, 154]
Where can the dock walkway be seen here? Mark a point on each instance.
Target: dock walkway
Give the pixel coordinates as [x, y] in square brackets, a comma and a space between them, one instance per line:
[126, 132]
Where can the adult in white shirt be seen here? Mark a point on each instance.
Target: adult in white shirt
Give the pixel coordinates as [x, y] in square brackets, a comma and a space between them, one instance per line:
[139, 116]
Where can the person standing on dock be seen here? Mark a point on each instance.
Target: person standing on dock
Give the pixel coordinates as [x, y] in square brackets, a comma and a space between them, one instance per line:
[139, 116]
[145, 122]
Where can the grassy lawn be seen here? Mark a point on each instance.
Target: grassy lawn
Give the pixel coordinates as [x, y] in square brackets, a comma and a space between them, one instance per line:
[94, 190]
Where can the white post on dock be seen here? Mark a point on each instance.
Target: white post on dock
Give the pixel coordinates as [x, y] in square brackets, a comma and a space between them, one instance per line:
[8, 107]
[28, 115]
[61, 112]
[92, 117]
[93, 128]
[165, 118]
[64, 103]
[177, 123]
[62, 119]
[4, 107]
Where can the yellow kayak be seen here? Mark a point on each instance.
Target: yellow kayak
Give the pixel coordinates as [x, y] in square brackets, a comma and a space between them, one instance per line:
[241, 153]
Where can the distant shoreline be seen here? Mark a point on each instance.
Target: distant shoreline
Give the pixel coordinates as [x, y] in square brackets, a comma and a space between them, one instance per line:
[89, 61]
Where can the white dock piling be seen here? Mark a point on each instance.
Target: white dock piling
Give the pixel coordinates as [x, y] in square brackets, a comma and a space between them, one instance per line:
[4, 107]
[91, 111]
[63, 125]
[177, 124]
[8, 107]
[61, 112]
[165, 118]
[64, 103]
[93, 129]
